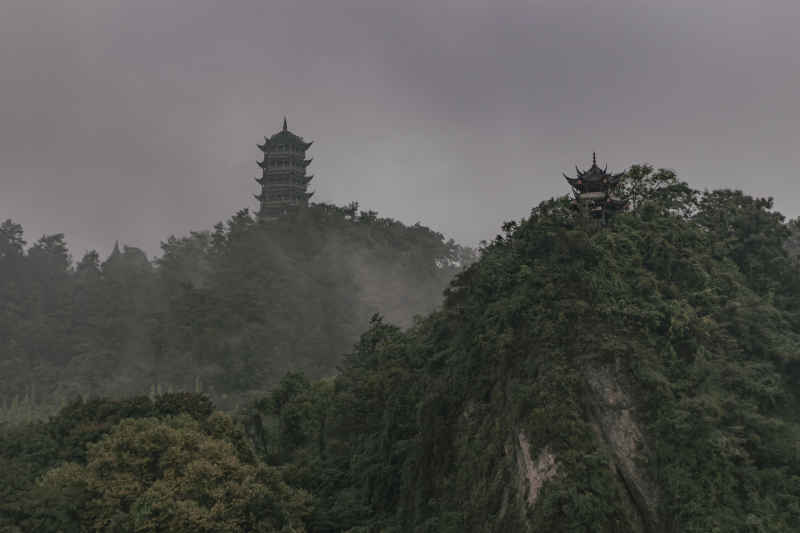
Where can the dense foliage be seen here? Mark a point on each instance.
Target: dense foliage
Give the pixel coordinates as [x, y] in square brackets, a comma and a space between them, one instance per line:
[172, 464]
[641, 376]
[638, 376]
[227, 311]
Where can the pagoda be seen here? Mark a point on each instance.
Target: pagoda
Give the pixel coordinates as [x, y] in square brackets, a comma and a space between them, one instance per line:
[596, 191]
[283, 178]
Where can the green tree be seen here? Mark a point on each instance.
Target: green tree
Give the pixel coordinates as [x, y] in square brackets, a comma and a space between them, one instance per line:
[659, 191]
[172, 474]
[793, 242]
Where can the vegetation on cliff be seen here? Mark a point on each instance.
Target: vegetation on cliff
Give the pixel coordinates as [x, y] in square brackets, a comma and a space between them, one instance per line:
[641, 376]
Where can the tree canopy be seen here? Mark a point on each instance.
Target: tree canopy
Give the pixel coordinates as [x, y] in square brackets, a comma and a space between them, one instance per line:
[639, 375]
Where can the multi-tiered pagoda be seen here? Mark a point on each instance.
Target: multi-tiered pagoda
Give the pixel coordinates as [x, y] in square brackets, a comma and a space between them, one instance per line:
[596, 191]
[283, 179]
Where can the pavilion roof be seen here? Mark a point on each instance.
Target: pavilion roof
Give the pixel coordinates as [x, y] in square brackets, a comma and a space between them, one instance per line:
[593, 175]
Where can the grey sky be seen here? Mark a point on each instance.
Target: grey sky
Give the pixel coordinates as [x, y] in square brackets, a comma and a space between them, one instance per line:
[138, 119]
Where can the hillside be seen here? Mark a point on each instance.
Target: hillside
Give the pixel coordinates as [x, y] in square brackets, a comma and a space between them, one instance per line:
[642, 376]
[227, 311]
[639, 376]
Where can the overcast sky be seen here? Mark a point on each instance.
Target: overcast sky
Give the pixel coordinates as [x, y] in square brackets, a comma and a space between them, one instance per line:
[138, 119]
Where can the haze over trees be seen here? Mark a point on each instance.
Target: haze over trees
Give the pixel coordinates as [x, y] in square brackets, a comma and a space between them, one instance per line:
[642, 375]
[226, 311]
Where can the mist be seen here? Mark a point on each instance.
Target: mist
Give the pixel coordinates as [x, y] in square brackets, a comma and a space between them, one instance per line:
[135, 121]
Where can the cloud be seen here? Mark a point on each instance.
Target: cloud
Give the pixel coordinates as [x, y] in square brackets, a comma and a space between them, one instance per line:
[136, 120]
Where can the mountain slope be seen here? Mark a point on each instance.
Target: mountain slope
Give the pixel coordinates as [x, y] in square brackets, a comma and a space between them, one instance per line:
[637, 377]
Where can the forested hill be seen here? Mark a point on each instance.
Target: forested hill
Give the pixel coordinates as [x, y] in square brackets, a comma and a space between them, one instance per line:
[226, 311]
[638, 377]
[642, 376]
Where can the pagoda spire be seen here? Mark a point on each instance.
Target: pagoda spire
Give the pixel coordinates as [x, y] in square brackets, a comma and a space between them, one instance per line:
[285, 127]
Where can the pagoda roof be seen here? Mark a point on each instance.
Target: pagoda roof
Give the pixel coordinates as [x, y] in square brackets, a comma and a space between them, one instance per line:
[285, 136]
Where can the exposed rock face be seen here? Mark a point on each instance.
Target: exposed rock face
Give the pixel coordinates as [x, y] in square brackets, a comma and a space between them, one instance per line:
[506, 491]
[535, 473]
[529, 476]
[614, 418]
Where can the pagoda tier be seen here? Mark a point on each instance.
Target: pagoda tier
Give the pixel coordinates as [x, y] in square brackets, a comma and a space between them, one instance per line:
[596, 191]
[270, 144]
[297, 180]
[283, 174]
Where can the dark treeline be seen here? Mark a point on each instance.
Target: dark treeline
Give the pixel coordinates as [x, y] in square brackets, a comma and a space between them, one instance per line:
[642, 376]
[226, 311]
